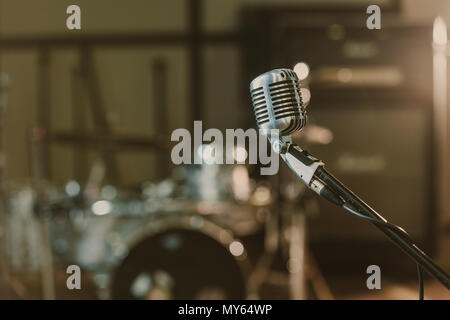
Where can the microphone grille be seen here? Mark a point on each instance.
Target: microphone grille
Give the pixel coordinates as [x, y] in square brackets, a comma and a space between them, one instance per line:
[260, 105]
[277, 101]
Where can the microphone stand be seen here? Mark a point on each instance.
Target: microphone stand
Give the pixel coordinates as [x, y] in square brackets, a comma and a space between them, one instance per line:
[311, 171]
[407, 246]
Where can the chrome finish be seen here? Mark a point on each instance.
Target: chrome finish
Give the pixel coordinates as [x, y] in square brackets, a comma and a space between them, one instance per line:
[277, 102]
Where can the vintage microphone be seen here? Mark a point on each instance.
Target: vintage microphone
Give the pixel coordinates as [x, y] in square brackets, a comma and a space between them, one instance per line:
[279, 112]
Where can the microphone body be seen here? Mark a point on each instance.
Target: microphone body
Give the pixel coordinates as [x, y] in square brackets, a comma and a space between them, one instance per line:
[277, 102]
[278, 105]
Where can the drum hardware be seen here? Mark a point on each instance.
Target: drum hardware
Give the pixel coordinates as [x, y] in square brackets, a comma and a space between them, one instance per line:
[262, 267]
[28, 233]
[24, 236]
[316, 278]
[300, 262]
[43, 212]
[296, 262]
[300, 265]
[96, 176]
[39, 139]
[7, 277]
[303, 270]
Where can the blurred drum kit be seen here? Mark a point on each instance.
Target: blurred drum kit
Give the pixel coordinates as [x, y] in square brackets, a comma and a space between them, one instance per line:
[176, 239]
[206, 232]
[180, 238]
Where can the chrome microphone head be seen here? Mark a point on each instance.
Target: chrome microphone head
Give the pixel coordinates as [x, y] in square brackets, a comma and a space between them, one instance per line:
[277, 102]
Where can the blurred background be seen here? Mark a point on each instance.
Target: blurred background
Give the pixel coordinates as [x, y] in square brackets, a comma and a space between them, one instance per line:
[85, 172]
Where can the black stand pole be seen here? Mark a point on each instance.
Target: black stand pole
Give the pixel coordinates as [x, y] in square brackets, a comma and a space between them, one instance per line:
[410, 249]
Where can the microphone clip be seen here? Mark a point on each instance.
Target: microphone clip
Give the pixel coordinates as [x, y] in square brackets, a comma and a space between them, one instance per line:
[298, 160]
[305, 166]
[302, 163]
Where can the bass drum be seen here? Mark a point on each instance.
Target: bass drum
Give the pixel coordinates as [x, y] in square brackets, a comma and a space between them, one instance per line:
[188, 258]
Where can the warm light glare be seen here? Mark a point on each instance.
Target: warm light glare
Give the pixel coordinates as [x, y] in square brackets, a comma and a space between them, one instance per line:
[240, 183]
[344, 75]
[236, 248]
[318, 134]
[302, 70]
[101, 207]
[306, 96]
[439, 31]
[262, 195]
[240, 154]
